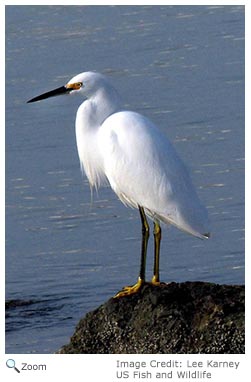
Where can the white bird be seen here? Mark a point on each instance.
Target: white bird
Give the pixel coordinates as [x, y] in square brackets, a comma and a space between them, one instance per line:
[138, 161]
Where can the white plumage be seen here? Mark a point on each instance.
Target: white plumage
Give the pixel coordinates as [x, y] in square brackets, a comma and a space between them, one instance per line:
[138, 161]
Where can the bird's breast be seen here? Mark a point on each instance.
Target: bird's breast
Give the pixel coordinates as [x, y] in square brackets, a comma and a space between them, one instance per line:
[90, 157]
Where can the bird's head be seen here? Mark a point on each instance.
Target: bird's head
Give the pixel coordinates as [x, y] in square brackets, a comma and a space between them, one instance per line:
[85, 84]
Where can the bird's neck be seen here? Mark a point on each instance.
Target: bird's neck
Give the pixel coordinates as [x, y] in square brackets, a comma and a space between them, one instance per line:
[90, 117]
[106, 103]
[96, 109]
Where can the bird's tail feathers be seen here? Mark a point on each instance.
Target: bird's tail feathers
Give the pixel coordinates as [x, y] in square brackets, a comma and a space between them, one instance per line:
[184, 227]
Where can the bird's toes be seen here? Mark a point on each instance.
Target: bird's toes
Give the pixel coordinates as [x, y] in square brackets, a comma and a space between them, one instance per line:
[129, 290]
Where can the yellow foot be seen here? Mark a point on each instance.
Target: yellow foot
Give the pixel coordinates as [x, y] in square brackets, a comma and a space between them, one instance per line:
[128, 290]
[155, 281]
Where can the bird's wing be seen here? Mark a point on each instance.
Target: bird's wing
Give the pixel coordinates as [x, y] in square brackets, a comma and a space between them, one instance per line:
[144, 169]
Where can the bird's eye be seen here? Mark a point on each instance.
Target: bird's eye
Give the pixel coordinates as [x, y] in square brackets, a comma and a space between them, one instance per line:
[75, 86]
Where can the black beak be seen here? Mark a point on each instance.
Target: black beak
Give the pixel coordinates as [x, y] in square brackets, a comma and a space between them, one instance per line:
[52, 93]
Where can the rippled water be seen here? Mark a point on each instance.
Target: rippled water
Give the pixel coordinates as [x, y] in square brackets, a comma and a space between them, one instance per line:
[183, 67]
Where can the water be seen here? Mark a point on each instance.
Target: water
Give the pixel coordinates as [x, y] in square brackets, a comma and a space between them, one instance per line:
[183, 67]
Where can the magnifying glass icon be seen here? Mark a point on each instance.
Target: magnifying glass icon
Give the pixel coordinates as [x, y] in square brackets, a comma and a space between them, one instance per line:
[12, 364]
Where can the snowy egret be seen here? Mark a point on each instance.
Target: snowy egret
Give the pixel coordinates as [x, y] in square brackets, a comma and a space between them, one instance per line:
[138, 161]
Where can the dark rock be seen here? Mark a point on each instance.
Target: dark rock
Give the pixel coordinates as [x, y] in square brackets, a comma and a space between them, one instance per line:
[175, 318]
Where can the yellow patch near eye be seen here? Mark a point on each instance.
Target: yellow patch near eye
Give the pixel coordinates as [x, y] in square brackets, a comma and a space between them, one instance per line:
[75, 86]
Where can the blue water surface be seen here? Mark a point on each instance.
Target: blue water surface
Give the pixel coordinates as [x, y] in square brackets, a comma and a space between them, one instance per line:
[181, 66]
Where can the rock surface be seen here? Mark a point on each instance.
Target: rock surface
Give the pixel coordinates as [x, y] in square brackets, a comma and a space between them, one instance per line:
[175, 318]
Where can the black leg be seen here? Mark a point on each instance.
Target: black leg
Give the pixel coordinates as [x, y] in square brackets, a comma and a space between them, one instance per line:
[128, 290]
[145, 237]
[157, 239]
